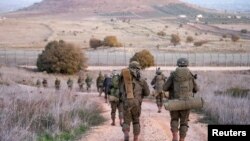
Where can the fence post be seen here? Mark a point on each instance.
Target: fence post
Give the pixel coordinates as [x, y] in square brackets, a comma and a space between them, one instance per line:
[218, 59]
[226, 59]
[5, 57]
[195, 59]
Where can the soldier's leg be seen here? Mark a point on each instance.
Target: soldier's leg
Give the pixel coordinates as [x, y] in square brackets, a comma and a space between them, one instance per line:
[159, 102]
[127, 120]
[174, 124]
[120, 110]
[136, 111]
[106, 97]
[113, 111]
[184, 117]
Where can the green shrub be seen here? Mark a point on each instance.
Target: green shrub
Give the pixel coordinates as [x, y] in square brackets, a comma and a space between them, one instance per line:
[111, 41]
[175, 39]
[145, 58]
[95, 43]
[61, 57]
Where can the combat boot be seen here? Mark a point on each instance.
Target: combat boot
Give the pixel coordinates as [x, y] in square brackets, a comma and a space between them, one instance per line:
[113, 122]
[136, 137]
[159, 109]
[175, 136]
[126, 136]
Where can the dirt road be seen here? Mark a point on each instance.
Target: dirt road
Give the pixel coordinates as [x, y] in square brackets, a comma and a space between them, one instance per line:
[154, 126]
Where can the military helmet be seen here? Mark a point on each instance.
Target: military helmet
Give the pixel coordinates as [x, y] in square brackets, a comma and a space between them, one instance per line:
[134, 64]
[182, 62]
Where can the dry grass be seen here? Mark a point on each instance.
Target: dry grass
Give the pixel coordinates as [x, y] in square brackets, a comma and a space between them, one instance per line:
[30, 113]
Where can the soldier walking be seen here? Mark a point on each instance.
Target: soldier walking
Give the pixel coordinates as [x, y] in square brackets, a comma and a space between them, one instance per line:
[99, 83]
[89, 82]
[70, 83]
[132, 90]
[181, 85]
[106, 86]
[45, 83]
[80, 82]
[158, 83]
[114, 99]
[57, 84]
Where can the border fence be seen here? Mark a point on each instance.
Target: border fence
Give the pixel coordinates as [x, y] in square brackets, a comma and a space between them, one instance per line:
[121, 58]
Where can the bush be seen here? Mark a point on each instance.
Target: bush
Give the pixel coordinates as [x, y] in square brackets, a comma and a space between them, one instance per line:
[144, 57]
[95, 43]
[61, 57]
[111, 41]
[175, 39]
[161, 33]
[235, 38]
[199, 43]
[243, 31]
[224, 36]
[189, 39]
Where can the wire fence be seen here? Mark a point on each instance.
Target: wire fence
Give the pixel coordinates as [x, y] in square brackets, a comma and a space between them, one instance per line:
[121, 58]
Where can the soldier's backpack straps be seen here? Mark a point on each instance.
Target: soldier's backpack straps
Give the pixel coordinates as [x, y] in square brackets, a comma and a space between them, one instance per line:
[128, 83]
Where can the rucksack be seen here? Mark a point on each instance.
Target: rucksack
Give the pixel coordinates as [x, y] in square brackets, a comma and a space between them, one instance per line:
[183, 83]
[115, 81]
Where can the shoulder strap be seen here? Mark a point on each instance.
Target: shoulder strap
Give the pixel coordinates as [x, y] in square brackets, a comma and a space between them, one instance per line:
[128, 83]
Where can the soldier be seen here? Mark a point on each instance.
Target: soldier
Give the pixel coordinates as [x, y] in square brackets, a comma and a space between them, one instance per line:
[99, 83]
[132, 90]
[38, 83]
[89, 82]
[106, 86]
[114, 98]
[57, 84]
[70, 83]
[45, 83]
[181, 85]
[158, 83]
[80, 82]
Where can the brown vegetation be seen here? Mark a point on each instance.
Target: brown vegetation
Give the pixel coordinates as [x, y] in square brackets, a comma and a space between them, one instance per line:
[144, 57]
[61, 57]
[235, 38]
[200, 43]
[189, 39]
[111, 41]
[175, 39]
[95, 43]
[161, 33]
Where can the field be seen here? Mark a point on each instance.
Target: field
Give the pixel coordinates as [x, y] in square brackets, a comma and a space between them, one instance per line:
[29, 112]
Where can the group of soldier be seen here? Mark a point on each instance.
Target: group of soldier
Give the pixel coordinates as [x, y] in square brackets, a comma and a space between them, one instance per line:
[125, 91]
[81, 81]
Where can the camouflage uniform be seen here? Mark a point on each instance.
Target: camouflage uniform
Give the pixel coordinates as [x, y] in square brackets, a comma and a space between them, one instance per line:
[181, 85]
[132, 106]
[80, 82]
[38, 83]
[114, 101]
[106, 86]
[89, 82]
[45, 83]
[70, 83]
[158, 83]
[57, 84]
[99, 83]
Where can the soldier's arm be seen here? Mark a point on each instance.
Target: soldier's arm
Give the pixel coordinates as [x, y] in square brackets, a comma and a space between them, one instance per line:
[153, 81]
[196, 87]
[121, 89]
[145, 89]
[168, 83]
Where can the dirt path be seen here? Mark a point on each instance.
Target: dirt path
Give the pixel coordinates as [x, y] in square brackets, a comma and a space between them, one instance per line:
[154, 126]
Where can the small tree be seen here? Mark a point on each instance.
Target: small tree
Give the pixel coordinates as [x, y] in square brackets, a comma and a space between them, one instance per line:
[95, 43]
[61, 57]
[200, 43]
[144, 57]
[243, 31]
[235, 38]
[175, 39]
[111, 41]
[189, 39]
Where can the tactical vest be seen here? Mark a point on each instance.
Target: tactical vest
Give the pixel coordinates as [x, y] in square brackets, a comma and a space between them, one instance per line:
[159, 82]
[115, 86]
[183, 83]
